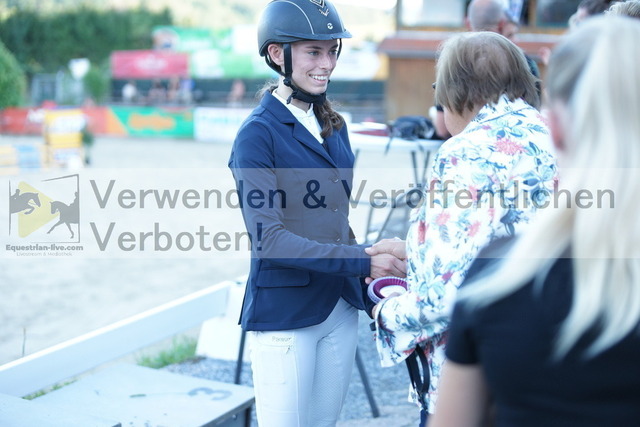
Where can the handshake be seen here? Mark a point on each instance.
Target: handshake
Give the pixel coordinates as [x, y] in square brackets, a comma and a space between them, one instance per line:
[388, 258]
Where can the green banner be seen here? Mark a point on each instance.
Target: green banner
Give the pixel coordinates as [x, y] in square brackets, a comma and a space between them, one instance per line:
[182, 39]
[155, 121]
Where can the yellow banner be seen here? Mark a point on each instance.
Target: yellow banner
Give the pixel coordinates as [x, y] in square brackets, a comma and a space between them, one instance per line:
[63, 128]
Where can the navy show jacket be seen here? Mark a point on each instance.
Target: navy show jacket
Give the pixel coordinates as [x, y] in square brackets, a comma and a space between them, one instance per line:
[295, 204]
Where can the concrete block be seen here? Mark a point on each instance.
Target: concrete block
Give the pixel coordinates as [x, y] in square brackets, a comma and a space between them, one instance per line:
[140, 396]
[220, 336]
[17, 412]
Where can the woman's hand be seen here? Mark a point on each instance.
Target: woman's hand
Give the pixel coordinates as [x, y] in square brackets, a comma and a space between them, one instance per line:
[388, 258]
[384, 264]
[395, 247]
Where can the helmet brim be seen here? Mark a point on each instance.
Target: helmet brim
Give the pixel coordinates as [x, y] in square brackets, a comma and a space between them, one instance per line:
[286, 37]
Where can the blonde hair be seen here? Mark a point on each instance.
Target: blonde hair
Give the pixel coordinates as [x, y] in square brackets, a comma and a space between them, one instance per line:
[592, 74]
[629, 8]
[477, 68]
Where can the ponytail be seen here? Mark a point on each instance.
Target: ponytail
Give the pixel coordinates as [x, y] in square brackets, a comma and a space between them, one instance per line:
[328, 117]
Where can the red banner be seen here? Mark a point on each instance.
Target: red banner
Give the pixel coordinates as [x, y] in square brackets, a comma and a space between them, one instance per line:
[149, 64]
[21, 121]
[29, 121]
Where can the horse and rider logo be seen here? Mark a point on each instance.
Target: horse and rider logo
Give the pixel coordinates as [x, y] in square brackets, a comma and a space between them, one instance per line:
[322, 7]
[35, 210]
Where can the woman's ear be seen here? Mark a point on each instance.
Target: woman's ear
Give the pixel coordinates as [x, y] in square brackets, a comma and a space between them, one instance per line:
[276, 53]
[467, 23]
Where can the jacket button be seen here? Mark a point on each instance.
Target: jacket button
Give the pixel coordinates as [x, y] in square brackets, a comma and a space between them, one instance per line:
[338, 239]
[334, 209]
[335, 179]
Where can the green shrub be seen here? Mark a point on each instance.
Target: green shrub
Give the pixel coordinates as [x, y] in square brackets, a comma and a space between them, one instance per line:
[96, 83]
[44, 40]
[12, 79]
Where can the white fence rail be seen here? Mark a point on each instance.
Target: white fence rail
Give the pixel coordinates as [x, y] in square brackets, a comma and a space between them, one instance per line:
[71, 358]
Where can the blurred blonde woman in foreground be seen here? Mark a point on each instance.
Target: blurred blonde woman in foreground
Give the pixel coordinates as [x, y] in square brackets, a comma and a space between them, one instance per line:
[547, 335]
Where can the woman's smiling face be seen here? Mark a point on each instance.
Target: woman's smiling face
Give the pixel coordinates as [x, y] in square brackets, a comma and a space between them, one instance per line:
[313, 62]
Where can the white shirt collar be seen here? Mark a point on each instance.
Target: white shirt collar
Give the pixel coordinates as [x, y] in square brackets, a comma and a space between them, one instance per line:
[306, 118]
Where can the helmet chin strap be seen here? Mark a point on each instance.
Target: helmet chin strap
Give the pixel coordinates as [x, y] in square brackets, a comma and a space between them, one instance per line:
[305, 96]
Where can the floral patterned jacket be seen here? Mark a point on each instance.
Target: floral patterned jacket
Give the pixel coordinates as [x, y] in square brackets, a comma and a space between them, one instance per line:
[486, 183]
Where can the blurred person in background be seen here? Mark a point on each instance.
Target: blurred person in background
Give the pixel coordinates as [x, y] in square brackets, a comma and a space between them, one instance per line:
[129, 92]
[157, 92]
[586, 9]
[236, 93]
[546, 331]
[589, 8]
[492, 15]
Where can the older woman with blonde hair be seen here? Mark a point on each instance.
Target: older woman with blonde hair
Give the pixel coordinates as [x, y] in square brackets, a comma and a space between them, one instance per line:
[548, 330]
[487, 181]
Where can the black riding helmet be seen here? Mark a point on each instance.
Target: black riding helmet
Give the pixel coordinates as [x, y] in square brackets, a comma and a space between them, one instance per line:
[288, 21]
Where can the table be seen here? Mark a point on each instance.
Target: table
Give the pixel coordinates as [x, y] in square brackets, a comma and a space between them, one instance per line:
[424, 147]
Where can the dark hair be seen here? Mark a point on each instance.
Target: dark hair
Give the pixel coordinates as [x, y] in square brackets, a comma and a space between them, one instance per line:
[595, 7]
[328, 117]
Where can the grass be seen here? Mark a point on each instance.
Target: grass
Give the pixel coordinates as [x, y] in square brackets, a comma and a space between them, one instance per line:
[47, 390]
[182, 348]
